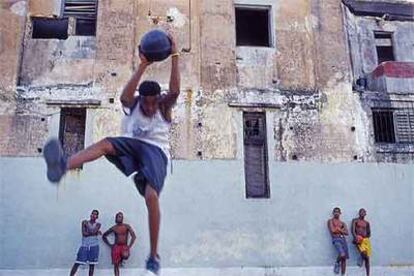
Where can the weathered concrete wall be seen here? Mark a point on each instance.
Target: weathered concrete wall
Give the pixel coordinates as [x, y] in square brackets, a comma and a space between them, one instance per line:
[306, 75]
[22, 135]
[295, 25]
[207, 221]
[218, 60]
[45, 8]
[11, 33]
[48, 62]
[12, 22]
[115, 47]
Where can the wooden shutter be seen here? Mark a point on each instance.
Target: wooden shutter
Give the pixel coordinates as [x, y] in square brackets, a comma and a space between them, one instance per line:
[83, 9]
[72, 129]
[404, 121]
[255, 155]
[85, 12]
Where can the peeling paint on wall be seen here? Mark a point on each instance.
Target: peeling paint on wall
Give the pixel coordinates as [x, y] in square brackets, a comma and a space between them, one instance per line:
[19, 8]
[178, 19]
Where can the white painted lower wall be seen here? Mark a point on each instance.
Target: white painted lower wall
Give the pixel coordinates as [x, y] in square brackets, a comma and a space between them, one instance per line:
[206, 219]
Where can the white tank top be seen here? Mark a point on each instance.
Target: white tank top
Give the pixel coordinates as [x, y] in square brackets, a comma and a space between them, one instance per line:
[90, 240]
[153, 130]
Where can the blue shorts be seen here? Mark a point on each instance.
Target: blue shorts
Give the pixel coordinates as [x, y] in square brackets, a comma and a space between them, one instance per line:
[148, 161]
[341, 246]
[88, 255]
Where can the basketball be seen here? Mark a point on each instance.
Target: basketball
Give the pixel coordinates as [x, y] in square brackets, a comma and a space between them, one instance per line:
[155, 45]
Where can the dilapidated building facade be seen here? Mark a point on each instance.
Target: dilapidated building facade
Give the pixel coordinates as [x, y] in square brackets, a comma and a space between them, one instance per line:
[299, 104]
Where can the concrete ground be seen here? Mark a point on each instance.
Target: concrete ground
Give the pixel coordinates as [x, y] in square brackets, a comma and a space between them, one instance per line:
[285, 271]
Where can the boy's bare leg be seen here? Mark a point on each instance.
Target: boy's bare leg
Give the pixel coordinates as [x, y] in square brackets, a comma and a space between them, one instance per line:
[91, 269]
[116, 269]
[343, 266]
[91, 153]
[367, 264]
[151, 199]
[74, 269]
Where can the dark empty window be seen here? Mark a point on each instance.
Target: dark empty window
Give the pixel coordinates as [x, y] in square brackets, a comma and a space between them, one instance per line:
[85, 27]
[72, 129]
[84, 12]
[383, 121]
[255, 155]
[49, 28]
[253, 26]
[384, 46]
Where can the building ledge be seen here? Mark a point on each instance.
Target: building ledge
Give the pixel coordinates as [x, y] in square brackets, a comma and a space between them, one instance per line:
[394, 69]
[85, 102]
[389, 11]
[254, 105]
[396, 148]
[392, 77]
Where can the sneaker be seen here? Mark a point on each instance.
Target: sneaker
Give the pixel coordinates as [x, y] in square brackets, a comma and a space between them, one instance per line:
[153, 265]
[336, 268]
[55, 160]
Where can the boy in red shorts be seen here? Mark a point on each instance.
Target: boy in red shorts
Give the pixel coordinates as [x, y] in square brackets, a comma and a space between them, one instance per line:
[120, 248]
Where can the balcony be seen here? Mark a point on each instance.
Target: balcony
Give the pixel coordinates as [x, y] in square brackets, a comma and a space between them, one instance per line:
[392, 77]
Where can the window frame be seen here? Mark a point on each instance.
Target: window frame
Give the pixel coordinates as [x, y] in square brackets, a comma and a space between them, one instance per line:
[66, 14]
[265, 155]
[391, 37]
[66, 111]
[398, 133]
[256, 7]
[56, 35]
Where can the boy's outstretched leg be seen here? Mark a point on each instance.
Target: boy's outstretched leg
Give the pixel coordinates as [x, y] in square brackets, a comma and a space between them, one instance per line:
[57, 163]
[91, 153]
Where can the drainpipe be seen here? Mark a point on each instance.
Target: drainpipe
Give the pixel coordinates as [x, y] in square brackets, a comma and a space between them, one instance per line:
[188, 49]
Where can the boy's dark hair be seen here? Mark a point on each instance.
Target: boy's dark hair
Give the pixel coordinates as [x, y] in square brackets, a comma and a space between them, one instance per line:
[96, 211]
[149, 88]
[336, 209]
